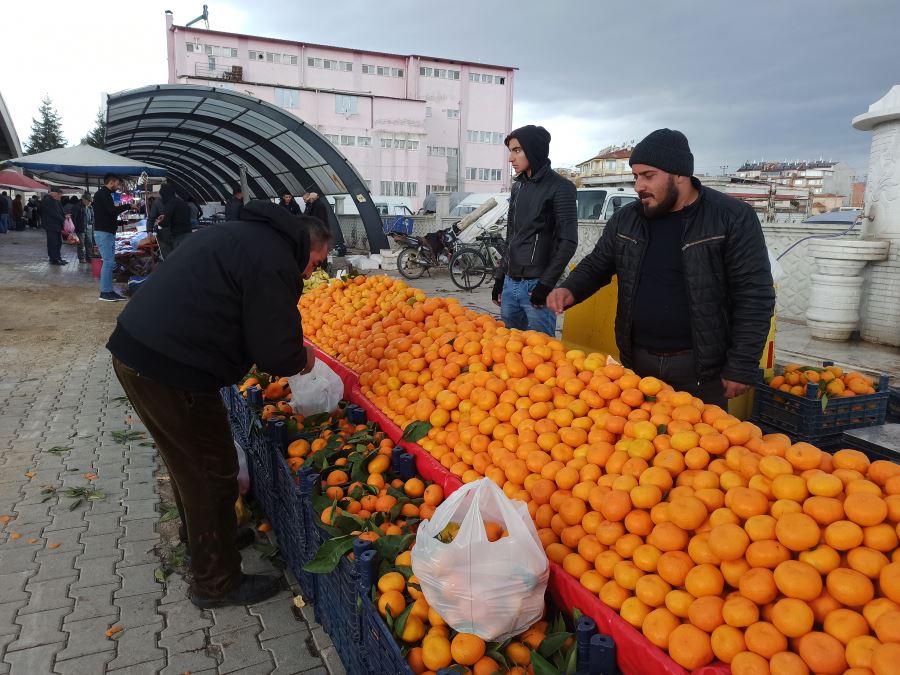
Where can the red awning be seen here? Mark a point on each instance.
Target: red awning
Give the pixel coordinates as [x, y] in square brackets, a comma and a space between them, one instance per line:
[18, 181]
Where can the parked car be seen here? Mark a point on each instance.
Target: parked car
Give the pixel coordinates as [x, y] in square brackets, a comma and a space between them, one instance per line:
[597, 203]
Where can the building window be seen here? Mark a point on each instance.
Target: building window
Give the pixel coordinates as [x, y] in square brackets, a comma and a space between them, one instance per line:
[427, 111]
[386, 188]
[452, 114]
[474, 77]
[363, 141]
[440, 73]
[334, 138]
[495, 174]
[471, 136]
[313, 62]
[387, 143]
[257, 56]
[412, 145]
[488, 79]
[610, 164]
[399, 188]
[346, 105]
[452, 152]
[412, 189]
[368, 70]
[499, 80]
[287, 98]
[426, 72]
[497, 138]
[471, 173]
[348, 140]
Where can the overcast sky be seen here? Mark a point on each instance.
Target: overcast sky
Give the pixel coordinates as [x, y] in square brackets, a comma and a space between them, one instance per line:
[772, 79]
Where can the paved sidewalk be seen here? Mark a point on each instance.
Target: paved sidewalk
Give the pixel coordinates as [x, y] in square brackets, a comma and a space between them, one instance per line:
[70, 571]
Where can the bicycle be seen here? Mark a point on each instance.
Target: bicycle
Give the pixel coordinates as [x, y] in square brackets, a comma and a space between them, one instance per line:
[471, 266]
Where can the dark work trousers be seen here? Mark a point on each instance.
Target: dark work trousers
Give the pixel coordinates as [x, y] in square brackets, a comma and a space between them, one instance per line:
[680, 372]
[54, 243]
[193, 436]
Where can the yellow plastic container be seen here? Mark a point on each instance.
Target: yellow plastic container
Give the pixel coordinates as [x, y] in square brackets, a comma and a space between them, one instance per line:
[590, 326]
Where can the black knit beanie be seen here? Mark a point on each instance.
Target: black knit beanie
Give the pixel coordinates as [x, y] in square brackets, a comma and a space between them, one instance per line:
[535, 141]
[665, 149]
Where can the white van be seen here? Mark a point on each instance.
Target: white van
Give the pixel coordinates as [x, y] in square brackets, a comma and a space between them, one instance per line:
[598, 203]
[387, 206]
[473, 201]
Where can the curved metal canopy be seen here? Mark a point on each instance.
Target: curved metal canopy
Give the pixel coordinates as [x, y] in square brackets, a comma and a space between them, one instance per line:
[203, 136]
[9, 139]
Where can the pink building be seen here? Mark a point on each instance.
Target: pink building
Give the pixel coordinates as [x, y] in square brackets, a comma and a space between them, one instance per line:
[410, 124]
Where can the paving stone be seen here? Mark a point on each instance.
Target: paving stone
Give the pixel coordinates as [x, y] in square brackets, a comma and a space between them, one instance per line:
[55, 566]
[176, 590]
[146, 668]
[41, 628]
[67, 540]
[65, 519]
[112, 504]
[147, 490]
[82, 665]
[98, 546]
[137, 580]
[38, 659]
[4, 640]
[8, 613]
[188, 652]
[87, 637]
[227, 619]
[292, 654]
[33, 513]
[140, 508]
[137, 646]
[17, 559]
[184, 617]
[240, 650]
[27, 531]
[97, 571]
[139, 552]
[12, 586]
[140, 530]
[139, 610]
[50, 594]
[92, 602]
[104, 523]
[277, 617]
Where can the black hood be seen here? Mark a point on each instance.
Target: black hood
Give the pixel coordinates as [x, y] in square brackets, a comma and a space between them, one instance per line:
[292, 228]
[535, 141]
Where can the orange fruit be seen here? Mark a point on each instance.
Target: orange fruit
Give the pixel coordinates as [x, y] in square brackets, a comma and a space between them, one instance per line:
[849, 587]
[867, 561]
[797, 531]
[673, 567]
[797, 579]
[887, 626]
[518, 653]
[467, 649]
[392, 600]
[739, 612]
[690, 647]
[759, 586]
[688, 513]
[746, 502]
[436, 652]
[787, 663]
[764, 639]
[859, 651]
[889, 581]
[865, 509]
[703, 580]
[706, 613]
[885, 659]
[749, 663]
[728, 541]
[845, 624]
[792, 617]
[392, 581]
[824, 510]
[658, 625]
[727, 642]
[822, 653]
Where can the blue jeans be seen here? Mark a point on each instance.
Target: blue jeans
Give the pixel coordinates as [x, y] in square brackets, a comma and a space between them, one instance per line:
[106, 242]
[4, 223]
[517, 311]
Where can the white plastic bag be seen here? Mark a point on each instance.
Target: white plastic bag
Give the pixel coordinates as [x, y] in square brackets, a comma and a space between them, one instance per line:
[243, 471]
[319, 391]
[492, 589]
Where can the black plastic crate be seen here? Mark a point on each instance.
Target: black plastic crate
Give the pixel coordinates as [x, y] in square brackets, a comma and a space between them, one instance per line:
[803, 417]
[893, 412]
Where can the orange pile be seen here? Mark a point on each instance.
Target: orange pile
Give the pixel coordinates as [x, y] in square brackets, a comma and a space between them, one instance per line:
[714, 540]
[831, 380]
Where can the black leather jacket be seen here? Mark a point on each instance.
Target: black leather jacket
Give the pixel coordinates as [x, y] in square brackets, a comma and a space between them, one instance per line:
[542, 228]
[727, 275]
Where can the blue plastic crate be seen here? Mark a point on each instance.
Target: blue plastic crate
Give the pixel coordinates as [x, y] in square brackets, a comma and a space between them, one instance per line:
[381, 651]
[802, 417]
[893, 413]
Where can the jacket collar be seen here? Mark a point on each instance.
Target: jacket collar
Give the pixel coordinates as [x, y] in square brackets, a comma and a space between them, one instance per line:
[536, 175]
[289, 226]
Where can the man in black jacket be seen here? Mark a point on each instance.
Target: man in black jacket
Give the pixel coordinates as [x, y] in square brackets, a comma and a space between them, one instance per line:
[695, 289]
[198, 324]
[52, 218]
[234, 205]
[106, 222]
[542, 233]
[174, 224]
[315, 207]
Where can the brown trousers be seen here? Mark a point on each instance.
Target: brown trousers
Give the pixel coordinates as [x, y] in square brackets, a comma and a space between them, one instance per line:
[193, 436]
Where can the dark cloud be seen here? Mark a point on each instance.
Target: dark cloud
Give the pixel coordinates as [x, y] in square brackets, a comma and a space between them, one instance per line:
[768, 78]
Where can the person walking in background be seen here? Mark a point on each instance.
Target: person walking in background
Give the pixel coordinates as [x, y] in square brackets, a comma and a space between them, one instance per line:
[154, 211]
[52, 218]
[35, 221]
[196, 213]
[106, 222]
[174, 224]
[234, 205]
[287, 201]
[83, 218]
[315, 207]
[18, 212]
[542, 232]
[695, 289]
[5, 208]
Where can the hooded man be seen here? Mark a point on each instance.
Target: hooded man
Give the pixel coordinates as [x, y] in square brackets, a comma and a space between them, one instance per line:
[695, 288]
[174, 223]
[198, 324]
[315, 207]
[542, 233]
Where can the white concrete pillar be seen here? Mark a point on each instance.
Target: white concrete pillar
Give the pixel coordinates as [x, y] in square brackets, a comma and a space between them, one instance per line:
[880, 308]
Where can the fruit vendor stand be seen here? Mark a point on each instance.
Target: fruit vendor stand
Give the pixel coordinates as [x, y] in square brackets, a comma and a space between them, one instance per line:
[680, 538]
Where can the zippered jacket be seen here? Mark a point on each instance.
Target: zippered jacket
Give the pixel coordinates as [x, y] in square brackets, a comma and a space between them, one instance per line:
[542, 227]
[726, 274]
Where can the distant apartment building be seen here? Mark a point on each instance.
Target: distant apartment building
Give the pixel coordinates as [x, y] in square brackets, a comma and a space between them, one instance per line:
[608, 168]
[818, 178]
[857, 193]
[411, 124]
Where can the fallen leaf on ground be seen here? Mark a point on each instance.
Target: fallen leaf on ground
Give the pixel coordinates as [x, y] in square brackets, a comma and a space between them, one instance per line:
[14, 535]
[5, 519]
[90, 476]
[30, 474]
[32, 540]
[113, 630]
[53, 545]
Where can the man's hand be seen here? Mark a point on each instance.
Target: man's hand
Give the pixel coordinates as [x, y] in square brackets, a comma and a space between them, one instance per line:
[310, 360]
[497, 291]
[539, 295]
[733, 389]
[559, 299]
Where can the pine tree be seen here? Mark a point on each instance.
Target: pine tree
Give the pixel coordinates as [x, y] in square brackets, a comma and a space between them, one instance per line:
[46, 132]
[97, 135]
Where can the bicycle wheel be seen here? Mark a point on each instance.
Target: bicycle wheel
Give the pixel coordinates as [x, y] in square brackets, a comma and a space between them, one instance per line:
[468, 268]
[408, 264]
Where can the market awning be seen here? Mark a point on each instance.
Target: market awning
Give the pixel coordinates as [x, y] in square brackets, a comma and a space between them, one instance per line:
[82, 165]
[17, 181]
[204, 135]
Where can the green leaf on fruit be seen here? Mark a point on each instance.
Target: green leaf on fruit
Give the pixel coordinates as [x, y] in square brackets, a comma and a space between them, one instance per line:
[416, 431]
[329, 554]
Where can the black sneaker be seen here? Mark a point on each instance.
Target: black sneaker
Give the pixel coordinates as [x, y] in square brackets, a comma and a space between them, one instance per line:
[112, 296]
[58, 262]
[251, 589]
[242, 538]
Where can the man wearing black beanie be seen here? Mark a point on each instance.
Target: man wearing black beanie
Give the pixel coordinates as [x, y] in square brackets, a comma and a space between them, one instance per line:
[542, 232]
[695, 289]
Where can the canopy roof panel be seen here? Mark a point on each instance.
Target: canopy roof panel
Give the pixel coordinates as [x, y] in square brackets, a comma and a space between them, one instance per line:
[9, 139]
[202, 136]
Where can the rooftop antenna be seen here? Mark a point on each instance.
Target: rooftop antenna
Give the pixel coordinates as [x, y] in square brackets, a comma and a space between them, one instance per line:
[203, 17]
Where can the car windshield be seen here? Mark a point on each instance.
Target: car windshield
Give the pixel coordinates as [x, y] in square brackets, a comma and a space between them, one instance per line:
[590, 204]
